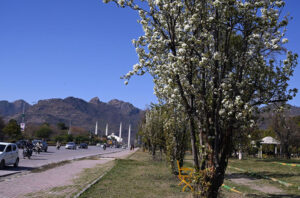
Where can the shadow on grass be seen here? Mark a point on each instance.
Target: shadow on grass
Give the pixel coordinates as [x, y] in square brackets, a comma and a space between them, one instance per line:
[277, 175]
[260, 175]
[273, 196]
[290, 161]
[239, 176]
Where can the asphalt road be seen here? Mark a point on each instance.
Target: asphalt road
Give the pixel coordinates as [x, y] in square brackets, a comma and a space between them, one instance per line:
[53, 156]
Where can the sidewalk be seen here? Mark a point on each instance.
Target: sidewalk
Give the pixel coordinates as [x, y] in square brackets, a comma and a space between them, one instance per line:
[20, 185]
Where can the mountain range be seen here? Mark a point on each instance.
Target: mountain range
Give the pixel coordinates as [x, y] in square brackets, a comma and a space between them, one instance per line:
[81, 113]
[76, 112]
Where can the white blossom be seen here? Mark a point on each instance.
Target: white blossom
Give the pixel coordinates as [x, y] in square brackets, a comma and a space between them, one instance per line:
[285, 40]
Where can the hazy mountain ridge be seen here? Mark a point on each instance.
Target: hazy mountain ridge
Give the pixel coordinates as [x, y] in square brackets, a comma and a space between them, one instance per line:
[12, 108]
[266, 114]
[77, 111]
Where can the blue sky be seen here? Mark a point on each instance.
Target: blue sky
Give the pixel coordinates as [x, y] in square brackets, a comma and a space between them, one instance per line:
[81, 48]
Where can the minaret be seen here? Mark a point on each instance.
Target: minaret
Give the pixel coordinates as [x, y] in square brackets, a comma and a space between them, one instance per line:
[69, 132]
[120, 133]
[22, 125]
[96, 128]
[106, 130]
[129, 131]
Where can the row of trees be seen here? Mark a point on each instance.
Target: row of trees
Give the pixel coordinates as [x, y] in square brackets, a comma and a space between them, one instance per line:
[287, 129]
[11, 132]
[165, 129]
[216, 61]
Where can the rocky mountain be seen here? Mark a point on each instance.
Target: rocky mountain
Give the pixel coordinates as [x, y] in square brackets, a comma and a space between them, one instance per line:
[10, 109]
[78, 112]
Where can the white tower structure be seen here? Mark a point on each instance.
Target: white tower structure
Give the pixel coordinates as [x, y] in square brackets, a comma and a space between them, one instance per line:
[129, 131]
[120, 133]
[69, 131]
[106, 130]
[22, 124]
[96, 128]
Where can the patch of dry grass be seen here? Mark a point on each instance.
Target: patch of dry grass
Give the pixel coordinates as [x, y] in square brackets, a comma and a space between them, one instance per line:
[137, 176]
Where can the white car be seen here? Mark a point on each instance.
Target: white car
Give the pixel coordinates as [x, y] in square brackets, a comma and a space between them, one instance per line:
[9, 154]
[71, 145]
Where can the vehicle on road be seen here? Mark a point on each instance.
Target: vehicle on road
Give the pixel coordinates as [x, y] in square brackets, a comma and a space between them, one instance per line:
[27, 152]
[58, 145]
[71, 145]
[83, 145]
[9, 154]
[44, 144]
[21, 144]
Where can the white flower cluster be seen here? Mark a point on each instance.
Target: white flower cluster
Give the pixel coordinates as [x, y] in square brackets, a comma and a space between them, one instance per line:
[220, 54]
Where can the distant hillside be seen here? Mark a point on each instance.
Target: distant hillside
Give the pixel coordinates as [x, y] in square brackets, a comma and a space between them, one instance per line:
[9, 109]
[266, 114]
[77, 111]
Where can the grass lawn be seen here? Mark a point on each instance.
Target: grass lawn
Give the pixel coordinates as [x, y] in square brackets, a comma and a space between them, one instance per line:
[140, 176]
[264, 167]
[137, 176]
[270, 168]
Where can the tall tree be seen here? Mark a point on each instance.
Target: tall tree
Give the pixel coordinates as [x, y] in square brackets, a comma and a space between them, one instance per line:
[285, 127]
[218, 59]
[2, 125]
[12, 130]
[43, 132]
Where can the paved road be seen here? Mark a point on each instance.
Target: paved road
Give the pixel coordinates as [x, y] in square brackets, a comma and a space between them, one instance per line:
[52, 156]
[18, 186]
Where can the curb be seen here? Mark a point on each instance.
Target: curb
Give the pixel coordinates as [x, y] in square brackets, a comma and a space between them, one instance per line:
[3, 177]
[9, 174]
[287, 164]
[231, 189]
[93, 183]
[98, 179]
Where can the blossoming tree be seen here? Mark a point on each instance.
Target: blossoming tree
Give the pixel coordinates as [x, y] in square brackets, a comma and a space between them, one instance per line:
[219, 60]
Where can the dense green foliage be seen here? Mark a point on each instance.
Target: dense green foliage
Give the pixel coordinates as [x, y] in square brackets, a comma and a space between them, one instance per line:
[43, 132]
[12, 130]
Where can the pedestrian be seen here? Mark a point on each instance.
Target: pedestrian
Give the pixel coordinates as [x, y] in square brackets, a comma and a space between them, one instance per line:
[57, 145]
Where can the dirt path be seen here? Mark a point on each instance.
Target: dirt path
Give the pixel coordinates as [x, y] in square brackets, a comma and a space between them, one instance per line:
[254, 183]
[21, 185]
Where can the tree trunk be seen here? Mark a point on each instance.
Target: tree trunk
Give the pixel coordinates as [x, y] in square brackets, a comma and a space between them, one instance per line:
[193, 142]
[153, 149]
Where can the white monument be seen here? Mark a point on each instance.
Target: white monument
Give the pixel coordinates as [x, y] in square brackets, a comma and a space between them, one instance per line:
[129, 131]
[120, 133]
[106, 130]
[96, 128]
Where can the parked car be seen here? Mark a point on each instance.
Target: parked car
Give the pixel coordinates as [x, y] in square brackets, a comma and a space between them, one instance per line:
[83, 145]
[9, 154]
[44, 144]
[71, 145]
[21, 144]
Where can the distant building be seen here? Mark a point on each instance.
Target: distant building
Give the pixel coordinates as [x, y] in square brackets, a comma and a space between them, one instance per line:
[115, 137]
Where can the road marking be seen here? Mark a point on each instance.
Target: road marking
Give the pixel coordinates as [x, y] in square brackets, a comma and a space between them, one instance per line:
[231, 189]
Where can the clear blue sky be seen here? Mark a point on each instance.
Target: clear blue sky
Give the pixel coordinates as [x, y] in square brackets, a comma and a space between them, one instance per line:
[81, 48]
